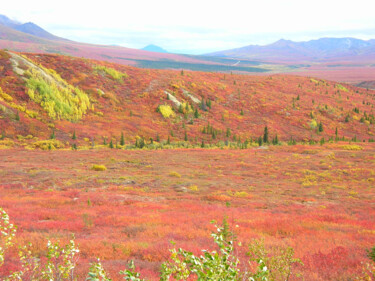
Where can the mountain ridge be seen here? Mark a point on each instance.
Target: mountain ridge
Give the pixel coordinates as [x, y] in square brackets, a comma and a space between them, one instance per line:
[322, 49]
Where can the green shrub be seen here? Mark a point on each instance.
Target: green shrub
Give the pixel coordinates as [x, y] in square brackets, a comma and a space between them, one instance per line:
[116, 75]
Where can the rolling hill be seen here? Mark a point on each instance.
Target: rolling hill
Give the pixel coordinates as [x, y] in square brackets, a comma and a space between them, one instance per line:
[45, 94]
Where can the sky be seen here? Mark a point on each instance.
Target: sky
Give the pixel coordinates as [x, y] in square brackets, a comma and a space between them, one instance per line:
[196, 27]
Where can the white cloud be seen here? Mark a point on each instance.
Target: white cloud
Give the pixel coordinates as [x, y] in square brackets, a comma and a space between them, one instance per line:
[196, 26]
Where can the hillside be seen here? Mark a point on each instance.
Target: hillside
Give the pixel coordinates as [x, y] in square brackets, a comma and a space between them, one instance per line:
[320, 50]
[53, 94]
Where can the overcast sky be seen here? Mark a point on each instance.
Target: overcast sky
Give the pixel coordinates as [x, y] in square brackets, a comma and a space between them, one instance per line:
[193, 26]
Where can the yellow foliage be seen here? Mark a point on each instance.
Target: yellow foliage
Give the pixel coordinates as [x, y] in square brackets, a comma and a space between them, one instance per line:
[59, 99]
[116, 75]
[342, 88]
[313, 124]
[100, 168]
[174, 174]
[4, 96]
[351, 147]
[166, 111]
[241, 194]
[194, 188]
[309, 180]
[47, 144]
[7, 143]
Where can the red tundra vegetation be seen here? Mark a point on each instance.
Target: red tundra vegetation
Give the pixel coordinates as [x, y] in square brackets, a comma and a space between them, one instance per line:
[316, 199]
[124, 204]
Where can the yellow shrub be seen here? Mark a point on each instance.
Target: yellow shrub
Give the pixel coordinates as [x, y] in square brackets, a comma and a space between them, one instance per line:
[174, 174]
[194, 188]
[98, 167]
[166, 111]
[241, 194]
[111, 72]
[4, 96]
[47, 144]
[6, 143]
[351, 147]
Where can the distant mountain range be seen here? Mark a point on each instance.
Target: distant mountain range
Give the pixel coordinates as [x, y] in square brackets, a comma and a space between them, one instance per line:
[29, 37]
[154, 48]
[341, 59]
[29, 28]
[320, 50]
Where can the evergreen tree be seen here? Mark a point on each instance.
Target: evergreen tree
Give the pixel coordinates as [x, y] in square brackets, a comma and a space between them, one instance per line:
[265, 135]
[122, 140]
[52, 136]
[242, 112]
[74, 137]
[320, 128]
[202, 144]
[260, 141]
[228, 133]
[196, 113]
[17, 116]
[186, 137]
[157, 138]
[111, 144]
[104, 141]
[275, 140]
[208, 103]
[169, 140]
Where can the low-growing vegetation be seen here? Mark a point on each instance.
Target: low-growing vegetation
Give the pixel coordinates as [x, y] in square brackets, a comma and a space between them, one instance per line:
[59, 100]
[116, 75]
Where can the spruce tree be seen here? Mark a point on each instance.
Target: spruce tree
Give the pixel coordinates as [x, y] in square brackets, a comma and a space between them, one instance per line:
[186, 137]
[111, 144]
[265, 135]
[320, 129]
[52, 136]
[260, 141]
[196, 113]
[122, 140]
[74, 137]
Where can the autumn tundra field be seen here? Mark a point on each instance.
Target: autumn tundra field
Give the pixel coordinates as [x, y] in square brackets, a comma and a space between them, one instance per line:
[135, 162]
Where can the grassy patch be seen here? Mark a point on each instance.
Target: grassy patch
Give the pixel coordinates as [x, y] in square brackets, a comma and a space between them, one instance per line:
[116, 75]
